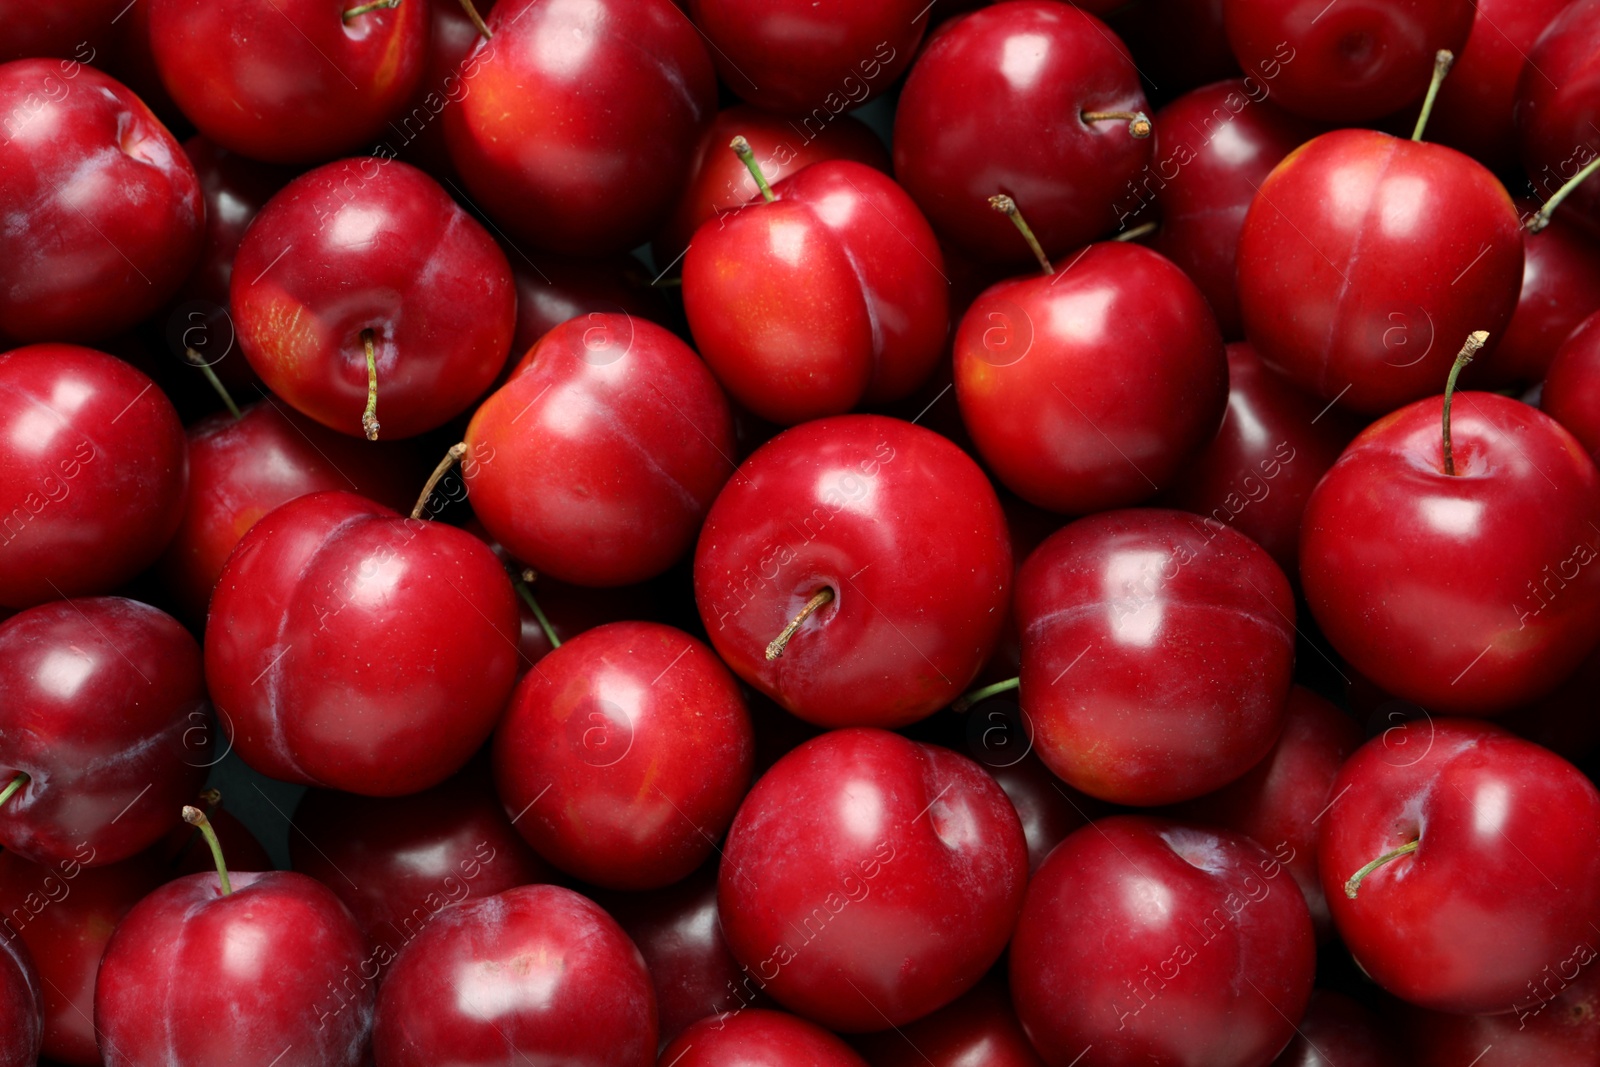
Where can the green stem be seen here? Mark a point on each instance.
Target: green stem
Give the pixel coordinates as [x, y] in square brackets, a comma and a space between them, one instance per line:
[371, 5]
[526, 593]
[198, 360]
[741, 148]
[1442, 61]
[1353, 883]
[1542, 218]
[818, 599]
[1138, 122]
[1474, 342]
[1144, 229]
[12, 786]
[195, 817]
[985, 693]
[369, 417]
[457, 450]
[1008, 207]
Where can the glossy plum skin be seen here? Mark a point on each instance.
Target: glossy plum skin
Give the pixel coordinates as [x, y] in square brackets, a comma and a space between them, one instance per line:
[1350, 64]
[624, 86]
[1571, 393]
[240, 469]
[1349, 285]
[869, 879]
[607, 447]
[979, 1028]
[539, 969]
[1154, 942]
[1422, 580]
[313, 1012]
[1558, 100]
[758, 1036]
[904, 529]
[809, 58]
[95, 473]
[21, 1006]
[558, 288]
[1494, 817]
[625, 754]
[1557, 1026]
[1560, 288]
[719, 182]
[102, 705]
[1030, 372]
[291, 82]
[64, 913]
[1280, 801]
[1213, 149]
[396, 862]
[1256, 475]
[972, 123]
[833, 294]
[1156, 654]
[376, 245]
[103, 217]
[350, 648]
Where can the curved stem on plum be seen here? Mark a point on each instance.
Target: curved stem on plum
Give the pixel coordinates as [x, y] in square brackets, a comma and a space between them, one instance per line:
[985, 693]
[1353, 883]
[1468, 350]
[197, 818]
[197, 360]
[1442, 61]
[747, 156]
[1008, 207]
[212, 799]
[369, 417]
[1144, 229]
[477, 19]
[12, 786]
[1138, 122]
[457, 450]
[370, 5]
[818, 599]
[1541, 218]
[523, 585]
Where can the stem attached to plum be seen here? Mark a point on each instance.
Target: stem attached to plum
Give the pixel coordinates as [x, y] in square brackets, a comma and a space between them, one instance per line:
[524, 590]
[1468, 350]
[1008, 207]
[369, 417]
[457, 450]
[1442, 61]
[212, 799]
[1138, 122]
[1541, 218]
[197, 818]
[1144, 229]
[477, 19]
[985, 693]
[12, 786]
[818, 599]
[747, 156]
[1353, 883]
[370, 5]
[199, 361]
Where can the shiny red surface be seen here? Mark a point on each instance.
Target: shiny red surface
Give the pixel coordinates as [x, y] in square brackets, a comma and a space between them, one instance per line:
[1494, 892]
[624, 755]
[1156, 654]
[1439, 588]
[1357, 61]
[1048, 808]
[1560, 288]
[581, 121]
[1089, 388]
[21, 1006]
[831, 295]
[1558, 101]
[994, 105]
[350, 648]
[769, 1038]
[552, 289]
[1351, 284]
[539, 969]
[95, 472]
[599, 458]
[103, 213]
[292, 81]
[102, 705]
[1151, 941]
[1571, 392]
[194, 977]
[869, 879]
[978, 1030]
[372, 245]
[1557, 1025]
[904, 529]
